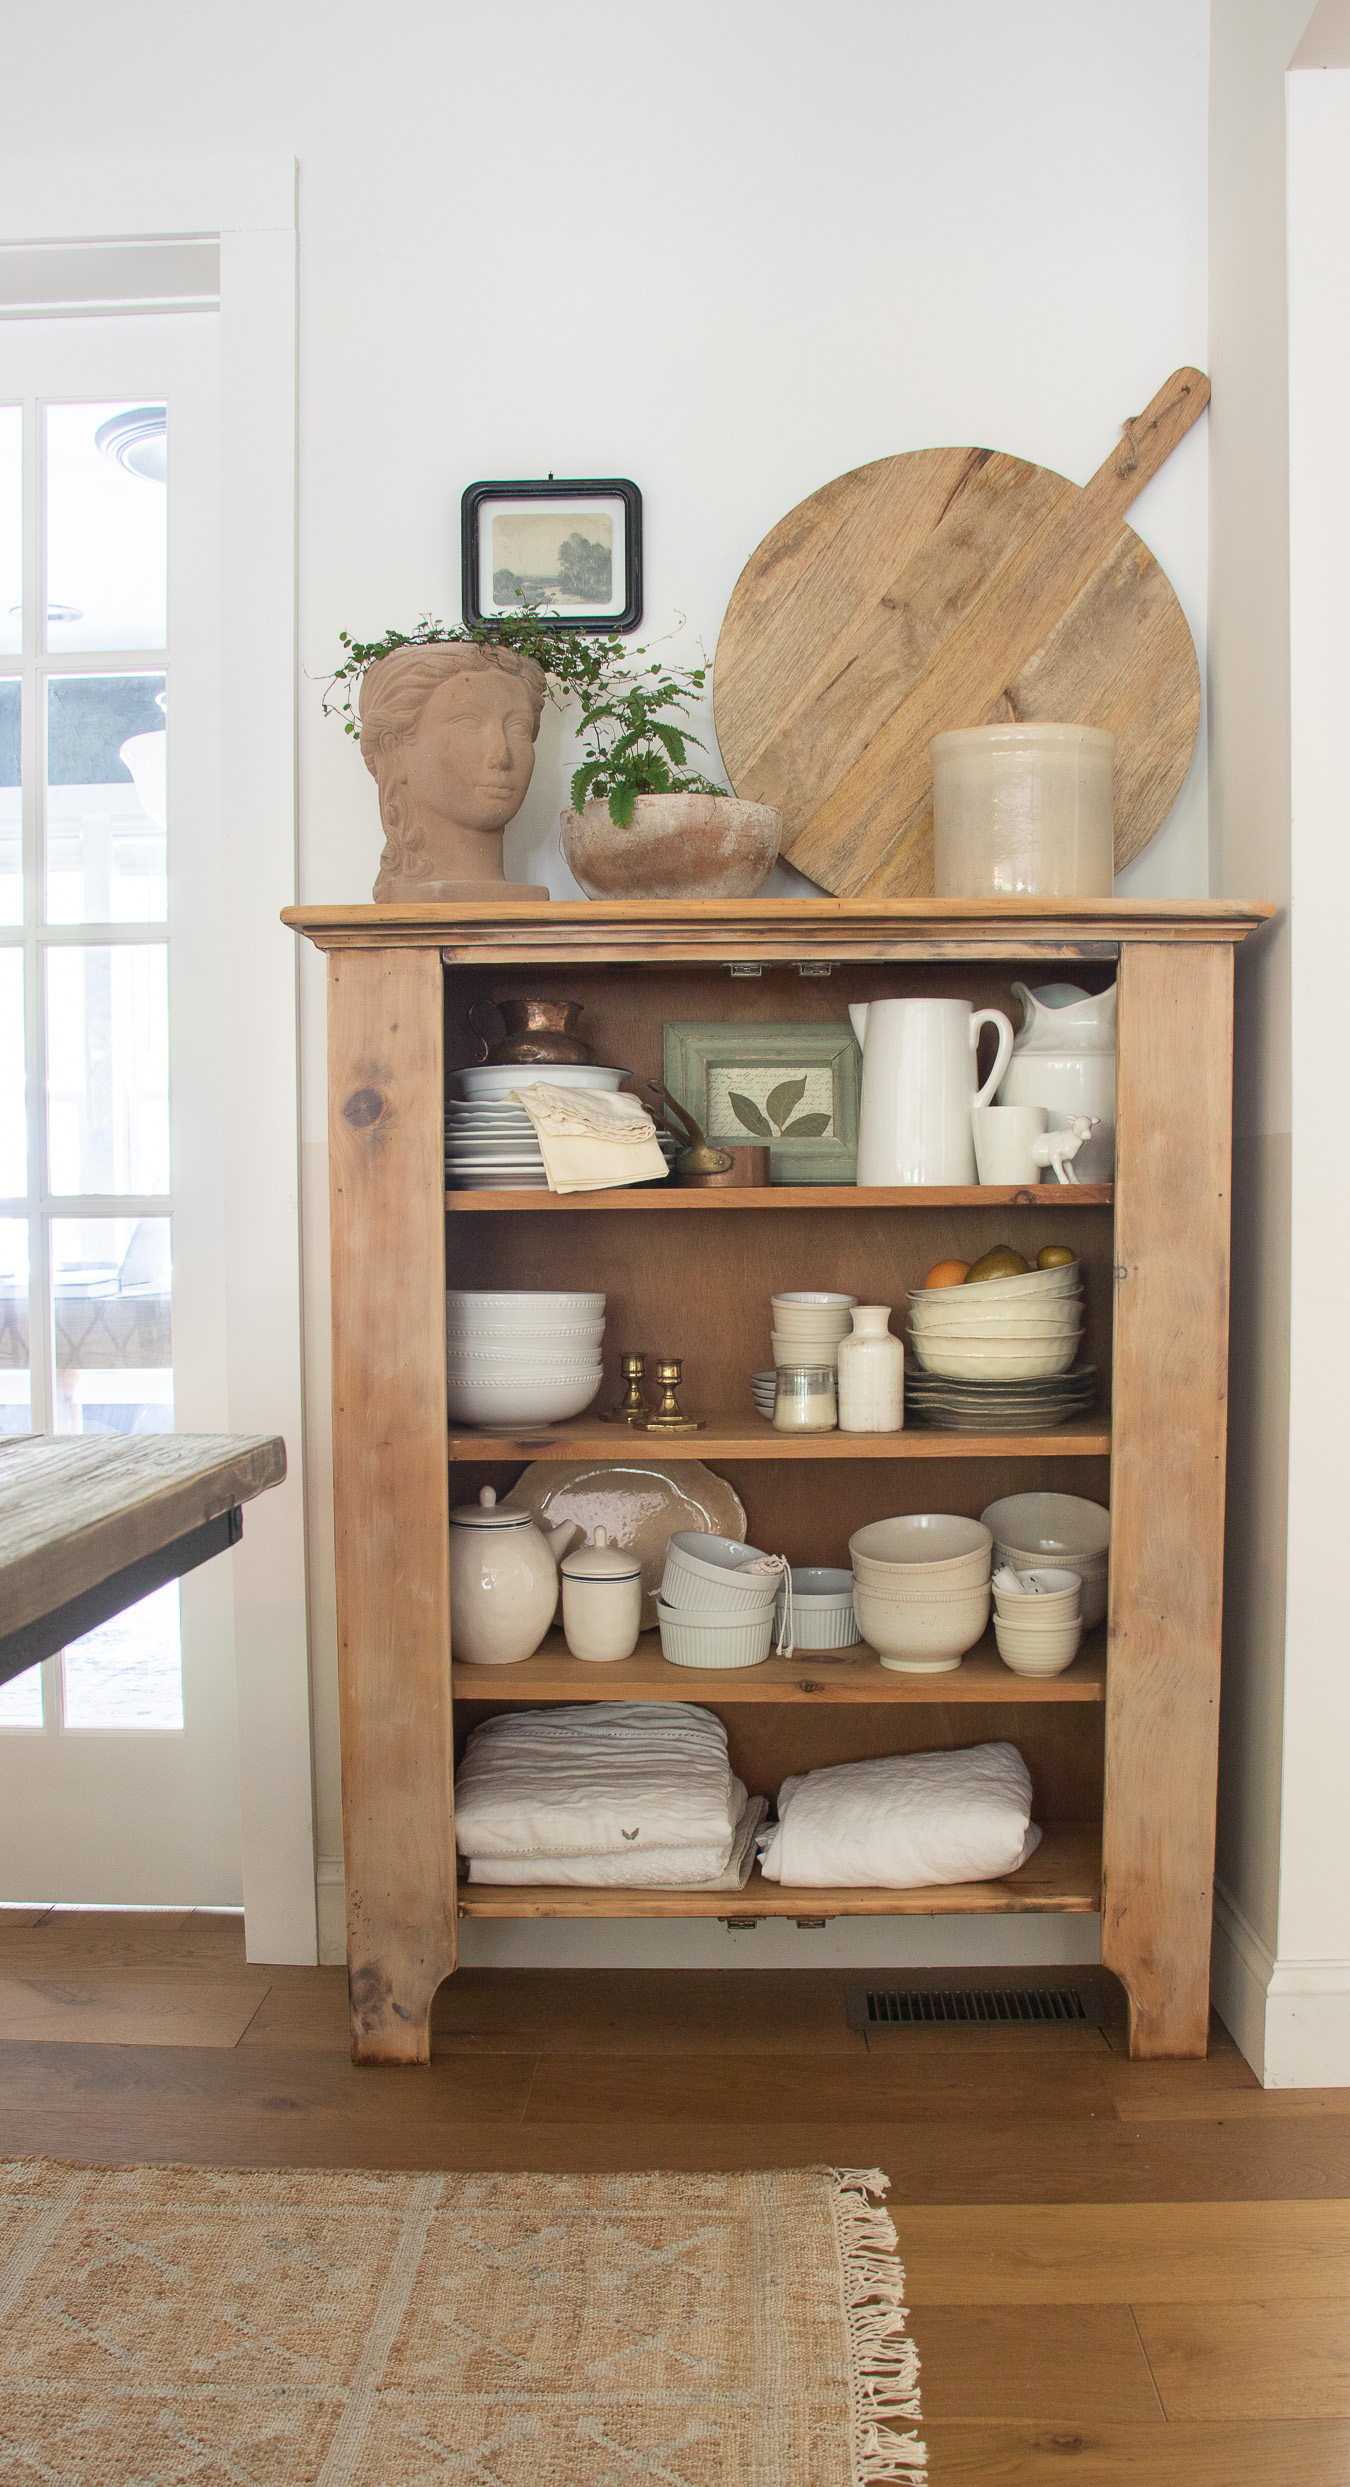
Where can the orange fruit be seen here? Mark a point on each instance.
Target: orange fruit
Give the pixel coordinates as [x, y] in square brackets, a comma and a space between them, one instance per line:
[947, 1274]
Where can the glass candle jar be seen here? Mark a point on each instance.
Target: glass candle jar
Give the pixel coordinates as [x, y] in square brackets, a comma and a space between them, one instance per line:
[805, 1398]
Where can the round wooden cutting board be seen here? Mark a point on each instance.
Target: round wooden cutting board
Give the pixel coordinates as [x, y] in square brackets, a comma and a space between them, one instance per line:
[952, 587]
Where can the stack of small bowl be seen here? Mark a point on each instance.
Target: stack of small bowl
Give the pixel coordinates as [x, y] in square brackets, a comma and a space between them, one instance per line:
[1065, 1530]
[715, 1609]
[1037, 1620]
[921, 1589]
[763, 1390]
[1000, 1351]
[529, 1357]
[807, 1328]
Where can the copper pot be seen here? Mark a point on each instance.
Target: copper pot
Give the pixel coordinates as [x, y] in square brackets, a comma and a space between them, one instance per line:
[534, 1032]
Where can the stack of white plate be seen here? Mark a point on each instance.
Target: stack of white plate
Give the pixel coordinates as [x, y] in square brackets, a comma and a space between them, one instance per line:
[524, 1357]
[490, 1143]
[763, 1388]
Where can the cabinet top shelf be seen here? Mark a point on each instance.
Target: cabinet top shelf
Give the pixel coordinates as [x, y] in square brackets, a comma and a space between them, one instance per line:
[830, 930]
[658, 1195]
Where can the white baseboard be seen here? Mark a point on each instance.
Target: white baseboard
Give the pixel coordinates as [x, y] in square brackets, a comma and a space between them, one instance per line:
[331, 1896]
[1291, 2018]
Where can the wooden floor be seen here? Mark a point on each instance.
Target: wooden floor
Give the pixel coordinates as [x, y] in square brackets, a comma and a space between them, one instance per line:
[1118, 2273]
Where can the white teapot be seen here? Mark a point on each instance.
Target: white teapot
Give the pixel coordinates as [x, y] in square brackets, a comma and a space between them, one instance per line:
[503, 1580]
[1064, 1058]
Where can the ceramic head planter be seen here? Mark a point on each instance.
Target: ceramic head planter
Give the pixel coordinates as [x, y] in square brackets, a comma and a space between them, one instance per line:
[448, 733]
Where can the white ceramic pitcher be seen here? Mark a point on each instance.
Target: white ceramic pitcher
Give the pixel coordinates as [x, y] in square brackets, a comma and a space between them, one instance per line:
[918, 1088]
[1065, 1060]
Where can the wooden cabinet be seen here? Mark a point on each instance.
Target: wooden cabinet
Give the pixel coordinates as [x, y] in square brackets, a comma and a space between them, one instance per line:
[1122, 1749]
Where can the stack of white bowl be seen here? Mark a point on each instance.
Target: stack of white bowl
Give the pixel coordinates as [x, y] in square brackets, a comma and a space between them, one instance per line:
[525, 1357]
[763, 1390]
[1061, 1529]
[1038, 1622]
[807, 1328]
[715, 1609]
[1000, 1329]
[921, 1589]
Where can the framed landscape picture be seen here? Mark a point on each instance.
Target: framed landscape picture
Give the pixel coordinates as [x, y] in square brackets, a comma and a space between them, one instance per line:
[793, 1086]
[573, 548]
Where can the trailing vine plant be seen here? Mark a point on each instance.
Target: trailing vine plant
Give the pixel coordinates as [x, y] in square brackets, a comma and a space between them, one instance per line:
[634, 723]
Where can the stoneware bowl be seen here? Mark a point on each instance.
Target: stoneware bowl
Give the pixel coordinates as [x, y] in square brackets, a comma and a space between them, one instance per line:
[1020, 1361]
[1047, 1652]
[531, 1399]
[921, 1638]
[942, 1541]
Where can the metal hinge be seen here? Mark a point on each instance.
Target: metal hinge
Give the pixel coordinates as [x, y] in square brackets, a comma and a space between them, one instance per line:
[744, 967]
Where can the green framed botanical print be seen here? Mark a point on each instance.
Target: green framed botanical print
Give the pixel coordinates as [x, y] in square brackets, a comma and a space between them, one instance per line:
[793, 1085]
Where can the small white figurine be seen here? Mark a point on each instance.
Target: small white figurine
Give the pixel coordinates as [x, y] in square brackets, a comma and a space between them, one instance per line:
[1059, 1148]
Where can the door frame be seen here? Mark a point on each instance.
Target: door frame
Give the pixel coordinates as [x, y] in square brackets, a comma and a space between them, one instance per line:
[248, 206]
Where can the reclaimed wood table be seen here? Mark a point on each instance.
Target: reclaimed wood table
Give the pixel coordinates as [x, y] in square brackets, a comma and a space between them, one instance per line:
[91, 1523]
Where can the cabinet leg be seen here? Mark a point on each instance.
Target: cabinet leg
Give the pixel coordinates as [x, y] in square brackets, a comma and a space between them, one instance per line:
[390, 1999]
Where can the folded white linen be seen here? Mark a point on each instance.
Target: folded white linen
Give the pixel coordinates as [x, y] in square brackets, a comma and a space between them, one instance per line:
[903, 1821]
[656, 1869]
[596, 1778]
[591, 1139]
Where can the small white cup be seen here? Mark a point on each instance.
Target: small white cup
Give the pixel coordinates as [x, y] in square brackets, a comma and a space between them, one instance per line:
[1005, 1139]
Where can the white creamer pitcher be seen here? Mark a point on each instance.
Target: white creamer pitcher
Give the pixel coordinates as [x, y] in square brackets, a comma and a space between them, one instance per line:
[918, 1087]
[1065, 1060]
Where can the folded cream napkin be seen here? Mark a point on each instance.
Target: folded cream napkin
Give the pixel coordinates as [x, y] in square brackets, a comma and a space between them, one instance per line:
[591, 1139]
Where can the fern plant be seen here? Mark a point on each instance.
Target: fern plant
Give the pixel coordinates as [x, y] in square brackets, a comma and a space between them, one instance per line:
[636, 737]
[572, 660]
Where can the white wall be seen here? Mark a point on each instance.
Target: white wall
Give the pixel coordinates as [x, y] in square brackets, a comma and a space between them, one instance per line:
[729, 253]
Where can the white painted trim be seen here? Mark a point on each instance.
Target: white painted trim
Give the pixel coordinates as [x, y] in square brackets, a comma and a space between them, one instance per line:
[1291, 2018]
[248, 205]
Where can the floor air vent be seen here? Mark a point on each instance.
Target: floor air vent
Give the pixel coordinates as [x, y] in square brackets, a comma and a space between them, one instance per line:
[986, 2007]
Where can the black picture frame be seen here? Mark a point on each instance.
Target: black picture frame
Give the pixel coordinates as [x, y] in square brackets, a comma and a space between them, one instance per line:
[570, 489]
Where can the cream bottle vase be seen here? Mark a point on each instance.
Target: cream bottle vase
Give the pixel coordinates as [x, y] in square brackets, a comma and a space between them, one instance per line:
[871, 1374]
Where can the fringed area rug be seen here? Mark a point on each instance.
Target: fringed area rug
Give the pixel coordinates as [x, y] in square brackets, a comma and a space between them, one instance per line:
[169, 2325]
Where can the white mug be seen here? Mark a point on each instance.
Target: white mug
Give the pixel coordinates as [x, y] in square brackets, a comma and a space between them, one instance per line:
[918, 1087]
[1013, 1146]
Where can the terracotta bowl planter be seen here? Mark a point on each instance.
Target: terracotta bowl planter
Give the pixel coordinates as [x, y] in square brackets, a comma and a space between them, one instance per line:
[676, 846]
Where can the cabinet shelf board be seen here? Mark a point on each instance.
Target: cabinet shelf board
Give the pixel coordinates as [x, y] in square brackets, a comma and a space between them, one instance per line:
[1064, 1877]
[796, 1196]
[753, 1437]
[807, 1679]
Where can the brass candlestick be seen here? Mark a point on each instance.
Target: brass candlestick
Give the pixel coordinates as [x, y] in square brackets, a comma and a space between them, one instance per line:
[632, 1408]
[668, 1418]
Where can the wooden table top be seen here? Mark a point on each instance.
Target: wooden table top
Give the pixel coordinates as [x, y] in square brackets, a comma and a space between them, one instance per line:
[75, 1508]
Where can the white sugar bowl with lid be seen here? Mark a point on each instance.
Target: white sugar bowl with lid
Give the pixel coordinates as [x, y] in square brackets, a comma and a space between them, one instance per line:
[601, 1601]
[503, 1580]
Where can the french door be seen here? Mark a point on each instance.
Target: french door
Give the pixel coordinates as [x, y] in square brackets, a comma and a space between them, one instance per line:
[118, 1759]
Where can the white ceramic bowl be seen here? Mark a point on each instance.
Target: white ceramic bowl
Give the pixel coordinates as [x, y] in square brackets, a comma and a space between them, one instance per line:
[497, 1079]
[1042, 1653]
[702, 1574]
[531, 1399]
[714, 1641]
[821, 1355]
[581, 1335]
[520, 1308]
[1017, 1362]
[998, 1320]
[813, 1302]
[942, 1541]
[1066, 1530]
[1028, 1612]
[912, 1586]
[822, 1608]
[921, 1639]
[534, 1355]
[1061, 1281]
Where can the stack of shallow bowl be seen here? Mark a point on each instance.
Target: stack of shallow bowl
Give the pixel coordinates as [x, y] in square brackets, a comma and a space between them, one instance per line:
[999, 1355]
[528, 1357]
[763, 1390]
[921, 1589]
[715, 1610]
[490, 1143]
[807, 1328]
[1065, 1530]
[1039, 1625]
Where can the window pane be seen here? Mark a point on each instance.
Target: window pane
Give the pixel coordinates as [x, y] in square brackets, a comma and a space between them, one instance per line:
[111, 1284]
[108, 1069]
[11, 529]
[11, 812]
[13, 1126]
[105, 527]
[129, 1673]
[14, 1359]
[106, 745]
[21, 1699]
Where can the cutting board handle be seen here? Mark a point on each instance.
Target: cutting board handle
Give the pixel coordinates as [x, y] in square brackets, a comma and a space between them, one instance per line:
[1147, 441]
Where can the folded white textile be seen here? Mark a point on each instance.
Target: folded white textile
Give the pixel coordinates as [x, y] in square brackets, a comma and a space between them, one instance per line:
[596, 1778]
[657, 1869]
[591, 1139]
[903, 1821]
